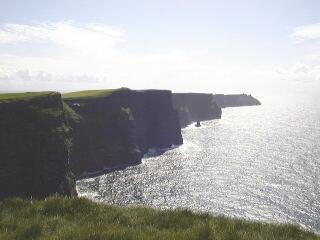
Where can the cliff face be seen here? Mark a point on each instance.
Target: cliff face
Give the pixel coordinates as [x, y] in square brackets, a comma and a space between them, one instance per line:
[34, 146]
[235, 100]
[156, 122]
[195, 106]
[104, 136]
[117, 127]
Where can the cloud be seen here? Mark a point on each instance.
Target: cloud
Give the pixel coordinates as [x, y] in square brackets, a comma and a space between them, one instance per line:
[62, 33]
[300, 72]
[65, 56]
[306, 32]
[93, 55]
[60, 49]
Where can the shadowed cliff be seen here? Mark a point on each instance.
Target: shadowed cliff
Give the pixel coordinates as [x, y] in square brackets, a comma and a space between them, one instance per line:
[235, 100]
[41, 135]
[193, 107]
[35, 146]
[116, 127]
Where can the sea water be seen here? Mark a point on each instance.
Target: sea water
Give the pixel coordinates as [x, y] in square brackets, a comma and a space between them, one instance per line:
[258, 162]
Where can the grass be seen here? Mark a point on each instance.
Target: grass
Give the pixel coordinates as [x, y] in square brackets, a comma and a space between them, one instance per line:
[52, 112]
[28, 98]
[71, 113]
[92, 93]
[79, 218]
[12, 97]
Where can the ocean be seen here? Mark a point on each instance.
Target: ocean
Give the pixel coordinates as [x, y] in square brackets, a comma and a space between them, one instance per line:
[257, 162]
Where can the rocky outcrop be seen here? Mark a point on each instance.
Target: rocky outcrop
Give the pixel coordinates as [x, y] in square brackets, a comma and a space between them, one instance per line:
[195, 107]
[35, 144]
[116, 127]
[235, 100]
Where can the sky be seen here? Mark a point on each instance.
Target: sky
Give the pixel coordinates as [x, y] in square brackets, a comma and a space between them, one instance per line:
[229, 46]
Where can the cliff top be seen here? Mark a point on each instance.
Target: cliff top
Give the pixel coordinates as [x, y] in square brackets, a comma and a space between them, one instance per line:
[13, 97]
[233, 95]
[106, 93]
[47, 103]
[92, 93]
[191, 93]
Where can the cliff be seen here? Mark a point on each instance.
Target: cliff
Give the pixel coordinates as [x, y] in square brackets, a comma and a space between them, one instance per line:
[42, 137]
[195, 106]
[117, 127]
[35, 146]
[156, 122]
[235, 100]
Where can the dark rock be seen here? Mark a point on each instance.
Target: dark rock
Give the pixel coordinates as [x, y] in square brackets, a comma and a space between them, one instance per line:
[104, 136]
[156, 122]
[235, 100]
[117, 128]
[35, 142]
[193, 107]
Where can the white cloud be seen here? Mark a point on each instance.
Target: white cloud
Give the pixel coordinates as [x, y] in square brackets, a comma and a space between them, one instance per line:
[65, 56]
[305, 32]
[94, 51]
[69, 50]
[62, 33]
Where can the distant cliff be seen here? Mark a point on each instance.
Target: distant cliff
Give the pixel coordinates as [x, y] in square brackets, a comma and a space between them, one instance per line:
[116, 127]
[195, 106]
[235, 100]
[35, 145]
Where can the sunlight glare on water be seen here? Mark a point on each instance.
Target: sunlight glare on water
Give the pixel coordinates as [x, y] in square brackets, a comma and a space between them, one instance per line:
[259, 162]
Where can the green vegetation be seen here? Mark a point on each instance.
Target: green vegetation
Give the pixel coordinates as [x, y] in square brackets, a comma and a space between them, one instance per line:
[12, 97]
[52, 112]
[29, 98]
[92, 93]
[71, 113]
[79, 218]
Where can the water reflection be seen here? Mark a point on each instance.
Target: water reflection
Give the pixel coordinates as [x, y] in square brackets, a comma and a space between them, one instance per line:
[256, 162]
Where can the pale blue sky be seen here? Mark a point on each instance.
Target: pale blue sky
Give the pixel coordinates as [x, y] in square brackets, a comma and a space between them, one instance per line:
[211, 39]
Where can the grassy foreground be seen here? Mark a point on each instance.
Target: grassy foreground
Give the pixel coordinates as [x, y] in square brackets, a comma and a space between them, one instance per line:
[78, 218]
